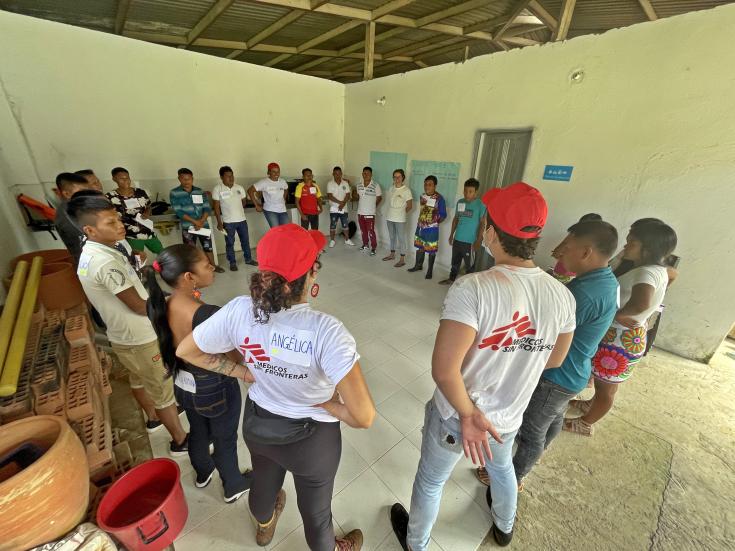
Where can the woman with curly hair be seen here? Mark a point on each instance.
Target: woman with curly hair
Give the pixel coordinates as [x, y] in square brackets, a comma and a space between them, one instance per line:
[307, 380]
[642, 289]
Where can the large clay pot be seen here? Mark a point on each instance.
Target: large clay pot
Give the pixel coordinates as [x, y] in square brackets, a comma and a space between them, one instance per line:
[49, 497]
[50, 256]
[60, 288]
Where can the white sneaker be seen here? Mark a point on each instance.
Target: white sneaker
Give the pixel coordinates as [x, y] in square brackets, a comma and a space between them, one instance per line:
[331, 244]
[349, 242]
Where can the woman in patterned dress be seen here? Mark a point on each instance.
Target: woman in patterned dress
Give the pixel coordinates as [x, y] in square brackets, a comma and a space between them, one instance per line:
[642, 289]
[426, 240]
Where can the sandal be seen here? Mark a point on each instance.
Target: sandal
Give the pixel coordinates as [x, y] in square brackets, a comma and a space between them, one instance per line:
[400, 263]
[482, 476]
[582, 405]
[577, 426]
[390, 257]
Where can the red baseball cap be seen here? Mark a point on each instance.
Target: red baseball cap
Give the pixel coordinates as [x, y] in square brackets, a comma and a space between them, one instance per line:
[289, 250]
[272, 166]
[516, 207]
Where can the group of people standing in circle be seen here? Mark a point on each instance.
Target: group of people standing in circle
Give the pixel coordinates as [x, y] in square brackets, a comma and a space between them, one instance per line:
[514, 348]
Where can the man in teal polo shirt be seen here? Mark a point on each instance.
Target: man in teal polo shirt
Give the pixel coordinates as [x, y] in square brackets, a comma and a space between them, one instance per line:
[193, 210]
[586, 251]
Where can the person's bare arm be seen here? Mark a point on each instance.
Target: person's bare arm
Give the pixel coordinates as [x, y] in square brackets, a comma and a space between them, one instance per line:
[378, 201]
[455, 221]
[132, 300]
[358, 409]
[561, 349]
[640, 300]
[253, 197]
[217, 363]
[480, 233]
[218, 214]
[453, 340]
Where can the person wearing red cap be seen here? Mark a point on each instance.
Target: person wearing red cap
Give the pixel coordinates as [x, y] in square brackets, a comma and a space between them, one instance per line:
[307, 379]
[499, 330]
[269, 196]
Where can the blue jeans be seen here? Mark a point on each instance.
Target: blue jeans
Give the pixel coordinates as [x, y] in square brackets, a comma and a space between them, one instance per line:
[397, 233]
[214, 416]
[441, 448]
[241, 229]
[276, 218]
[542, 422]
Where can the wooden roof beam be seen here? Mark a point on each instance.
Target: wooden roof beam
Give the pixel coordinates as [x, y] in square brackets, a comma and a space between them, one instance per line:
[121, 15]
[514, 12]
[210, 17]
[489, 24]
[388, 19]
[546, 18]
[450, 12]
[389, 7]
[367, 73]
[648, 9]
[565, 20]
[268, 31]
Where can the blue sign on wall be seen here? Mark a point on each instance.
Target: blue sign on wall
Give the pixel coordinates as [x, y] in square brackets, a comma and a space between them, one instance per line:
[558, 173]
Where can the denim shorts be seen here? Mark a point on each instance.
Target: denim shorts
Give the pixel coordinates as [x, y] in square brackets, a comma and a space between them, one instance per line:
[334, 217]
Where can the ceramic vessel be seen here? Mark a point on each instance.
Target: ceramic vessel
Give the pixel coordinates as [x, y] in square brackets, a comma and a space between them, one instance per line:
[46, 499]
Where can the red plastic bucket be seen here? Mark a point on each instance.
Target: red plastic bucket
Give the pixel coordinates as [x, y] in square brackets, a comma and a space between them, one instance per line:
[146, 508]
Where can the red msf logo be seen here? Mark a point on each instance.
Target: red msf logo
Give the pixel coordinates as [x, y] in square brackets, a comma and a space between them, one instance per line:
[253, 352]
[503, 336]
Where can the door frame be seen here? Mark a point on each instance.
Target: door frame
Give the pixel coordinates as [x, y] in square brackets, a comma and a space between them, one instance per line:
[514, 130]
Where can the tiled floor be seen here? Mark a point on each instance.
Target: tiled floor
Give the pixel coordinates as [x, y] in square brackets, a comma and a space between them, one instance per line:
[393, 315]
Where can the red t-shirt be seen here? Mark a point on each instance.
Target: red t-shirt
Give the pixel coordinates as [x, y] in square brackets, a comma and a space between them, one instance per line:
[308, 198]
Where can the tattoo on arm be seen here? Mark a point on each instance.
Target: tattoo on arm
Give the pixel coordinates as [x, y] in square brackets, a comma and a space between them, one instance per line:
[219, 363]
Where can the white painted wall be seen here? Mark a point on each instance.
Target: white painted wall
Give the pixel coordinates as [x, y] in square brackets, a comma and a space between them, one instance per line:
[649, 131]
[74, 98]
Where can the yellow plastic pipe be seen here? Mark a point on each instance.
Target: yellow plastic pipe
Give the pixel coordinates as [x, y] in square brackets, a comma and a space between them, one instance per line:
[10, 311]
[14, 357]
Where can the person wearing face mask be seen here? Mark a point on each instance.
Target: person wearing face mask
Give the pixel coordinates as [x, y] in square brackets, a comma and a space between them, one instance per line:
[211, 400]
[307, 379]
[500, 328]
[642, 290]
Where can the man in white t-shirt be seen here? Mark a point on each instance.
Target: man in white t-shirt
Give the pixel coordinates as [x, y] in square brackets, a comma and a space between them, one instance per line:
[114, 289]
[369, 197]
[229, 208]
[339, 193]
[273, 192]
[499, 330]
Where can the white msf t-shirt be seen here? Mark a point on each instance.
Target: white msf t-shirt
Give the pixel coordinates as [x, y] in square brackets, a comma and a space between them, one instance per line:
[297, 358]
[230, 202]
[273, 200]
[104, 273]
[368, 197]
[339, 192]
[655, 276]
[518, 313]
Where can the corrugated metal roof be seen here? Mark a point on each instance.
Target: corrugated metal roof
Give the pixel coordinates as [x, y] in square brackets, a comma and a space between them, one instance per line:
[244, 19]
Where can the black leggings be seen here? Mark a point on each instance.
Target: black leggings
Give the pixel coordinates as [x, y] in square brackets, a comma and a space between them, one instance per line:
[313, 463]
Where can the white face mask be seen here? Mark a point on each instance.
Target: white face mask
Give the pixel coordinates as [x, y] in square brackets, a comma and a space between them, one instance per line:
[486, 246]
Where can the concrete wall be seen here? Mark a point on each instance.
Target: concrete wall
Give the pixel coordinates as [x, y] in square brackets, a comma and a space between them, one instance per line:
[74, 98]
[649, 131]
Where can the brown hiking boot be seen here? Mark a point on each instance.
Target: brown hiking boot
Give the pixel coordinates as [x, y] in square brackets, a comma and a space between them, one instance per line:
[351, 541]
[264, 532]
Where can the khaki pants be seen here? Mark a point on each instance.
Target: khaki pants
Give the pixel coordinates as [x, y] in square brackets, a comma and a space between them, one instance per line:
[146, 369]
